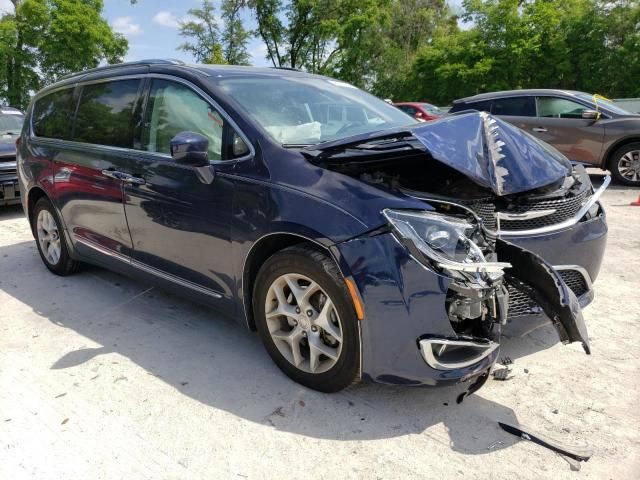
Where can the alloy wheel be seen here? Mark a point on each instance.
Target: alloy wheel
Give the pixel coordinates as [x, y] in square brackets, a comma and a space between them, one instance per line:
[48, 237]
[303, 323]
[629, 165]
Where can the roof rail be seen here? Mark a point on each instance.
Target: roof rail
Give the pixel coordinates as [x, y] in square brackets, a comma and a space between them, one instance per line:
[151, 61]
[287, 68]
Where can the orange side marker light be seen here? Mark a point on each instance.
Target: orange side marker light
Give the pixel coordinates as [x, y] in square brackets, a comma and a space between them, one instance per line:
[357, 303]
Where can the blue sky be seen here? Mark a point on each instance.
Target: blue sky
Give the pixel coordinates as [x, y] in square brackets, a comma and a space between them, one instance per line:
[151, 26]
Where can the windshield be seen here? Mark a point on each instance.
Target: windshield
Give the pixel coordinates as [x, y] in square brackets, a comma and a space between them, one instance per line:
[299, 110]
[432, 109]
[604, 103]
[11, 123]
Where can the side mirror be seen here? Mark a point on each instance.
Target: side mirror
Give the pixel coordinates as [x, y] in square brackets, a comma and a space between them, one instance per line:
[590, 115]
[190, 148]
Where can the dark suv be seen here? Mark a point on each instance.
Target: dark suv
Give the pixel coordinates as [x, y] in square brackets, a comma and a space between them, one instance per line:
[358, 243]
[11, 120]
[586, 128]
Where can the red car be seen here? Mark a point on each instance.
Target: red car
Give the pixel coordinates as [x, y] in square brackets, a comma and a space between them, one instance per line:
[420, 110]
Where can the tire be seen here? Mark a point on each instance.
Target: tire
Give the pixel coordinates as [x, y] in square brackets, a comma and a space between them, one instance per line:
[325, 321]
[46, 224]
[626, 156]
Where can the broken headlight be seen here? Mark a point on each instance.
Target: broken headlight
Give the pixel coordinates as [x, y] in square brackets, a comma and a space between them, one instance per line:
[442, 239]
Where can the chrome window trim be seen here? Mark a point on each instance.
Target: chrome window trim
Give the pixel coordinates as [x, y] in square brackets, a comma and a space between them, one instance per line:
[161, 76]
[147, 268]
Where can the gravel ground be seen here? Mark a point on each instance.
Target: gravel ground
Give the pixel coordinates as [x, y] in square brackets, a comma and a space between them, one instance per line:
[104, 377]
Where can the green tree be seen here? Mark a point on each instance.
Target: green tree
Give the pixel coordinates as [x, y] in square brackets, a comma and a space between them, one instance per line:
[588, 45]
[203, 29]
[234, 36]
[44, 39]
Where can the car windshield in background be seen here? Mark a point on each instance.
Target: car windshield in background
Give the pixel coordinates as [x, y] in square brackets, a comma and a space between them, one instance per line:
[432, 109]
[11, 123]
[306, 111]
[604, 103]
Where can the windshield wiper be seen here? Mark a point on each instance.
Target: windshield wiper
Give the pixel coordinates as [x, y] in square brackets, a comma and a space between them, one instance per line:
[297, 145]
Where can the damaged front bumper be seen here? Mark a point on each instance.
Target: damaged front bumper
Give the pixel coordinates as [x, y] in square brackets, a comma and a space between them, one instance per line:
[408, 336]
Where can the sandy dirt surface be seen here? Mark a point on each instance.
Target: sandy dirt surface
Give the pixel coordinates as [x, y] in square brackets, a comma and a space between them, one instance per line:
[104, 377]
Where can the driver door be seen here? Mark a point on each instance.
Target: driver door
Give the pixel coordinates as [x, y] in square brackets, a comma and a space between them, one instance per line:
[559, 122]
[179, 216]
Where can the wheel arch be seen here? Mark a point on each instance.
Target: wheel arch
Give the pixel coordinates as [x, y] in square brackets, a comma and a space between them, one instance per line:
[608, 157]
[260, 251]
[35, 194]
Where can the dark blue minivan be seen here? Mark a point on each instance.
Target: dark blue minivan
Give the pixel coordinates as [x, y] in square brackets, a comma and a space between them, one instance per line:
[358, 243]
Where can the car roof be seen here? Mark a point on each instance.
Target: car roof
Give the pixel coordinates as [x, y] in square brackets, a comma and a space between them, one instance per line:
[169, 66]
[516, 93]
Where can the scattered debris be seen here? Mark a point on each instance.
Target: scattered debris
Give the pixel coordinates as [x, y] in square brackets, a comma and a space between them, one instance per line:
[64, 421]
[61, 395]
[506, 361]
[576, 453]
[301, 402]
[526, 370]
[555, 410]
[120, 378]
[184, 383]
[502, 374]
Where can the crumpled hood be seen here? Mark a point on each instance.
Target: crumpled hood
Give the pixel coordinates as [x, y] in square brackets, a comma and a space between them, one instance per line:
[493, 153]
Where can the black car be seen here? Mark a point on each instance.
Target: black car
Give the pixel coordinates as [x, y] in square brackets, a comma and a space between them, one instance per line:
[358, 243]
[11, 120]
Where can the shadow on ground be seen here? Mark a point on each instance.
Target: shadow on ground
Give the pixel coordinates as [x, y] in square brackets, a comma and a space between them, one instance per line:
[217, 362]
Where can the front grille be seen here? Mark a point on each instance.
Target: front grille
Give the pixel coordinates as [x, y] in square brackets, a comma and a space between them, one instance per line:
[521, 305]
[6, 172]
[485, 209]
[565, 208]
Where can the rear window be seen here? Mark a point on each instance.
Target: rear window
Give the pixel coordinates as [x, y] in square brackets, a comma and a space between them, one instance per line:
[52, 115]
[10, 122]
[105, 113]
[514, 106]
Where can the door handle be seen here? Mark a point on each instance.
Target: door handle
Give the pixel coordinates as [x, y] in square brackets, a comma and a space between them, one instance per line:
[124, 177]
[539, 129]
[112, 174]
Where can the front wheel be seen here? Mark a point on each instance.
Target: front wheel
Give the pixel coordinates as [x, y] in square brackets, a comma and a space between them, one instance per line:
[625, 165]
[306, 320]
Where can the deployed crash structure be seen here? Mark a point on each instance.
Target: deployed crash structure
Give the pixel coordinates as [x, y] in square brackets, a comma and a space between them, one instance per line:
[485, 182]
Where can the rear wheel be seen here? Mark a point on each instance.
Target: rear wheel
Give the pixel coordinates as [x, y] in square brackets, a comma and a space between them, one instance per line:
[305, 318]
[50, 239]
[625, 165]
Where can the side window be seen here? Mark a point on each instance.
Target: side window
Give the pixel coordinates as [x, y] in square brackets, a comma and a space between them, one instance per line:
[173, 108]
[514, 106]
[52, 115]
[105, 113]
[554, 107]
[480, 106]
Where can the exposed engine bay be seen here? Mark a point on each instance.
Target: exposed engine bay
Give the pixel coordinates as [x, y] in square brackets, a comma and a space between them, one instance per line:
[479, 178]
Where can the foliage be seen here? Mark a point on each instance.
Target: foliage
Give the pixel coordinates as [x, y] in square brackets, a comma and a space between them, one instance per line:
[234, 37]
[587, 45]
[44, 39]
[203, 29]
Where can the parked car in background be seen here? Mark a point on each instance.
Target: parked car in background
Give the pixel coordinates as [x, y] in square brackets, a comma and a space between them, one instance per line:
[358, 243]
[585, 128]
[420, 110]
[11, 120]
